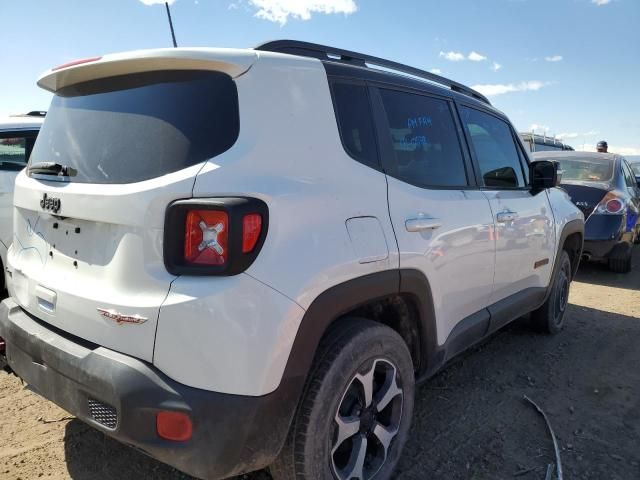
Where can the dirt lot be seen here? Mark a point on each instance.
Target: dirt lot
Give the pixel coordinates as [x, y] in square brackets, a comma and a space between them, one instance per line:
[470, 421]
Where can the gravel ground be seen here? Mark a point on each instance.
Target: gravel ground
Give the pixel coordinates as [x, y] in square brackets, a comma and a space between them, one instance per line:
[470, 422]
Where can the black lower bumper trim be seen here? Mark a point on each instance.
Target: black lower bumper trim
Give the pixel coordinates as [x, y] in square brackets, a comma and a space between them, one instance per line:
[232, 434]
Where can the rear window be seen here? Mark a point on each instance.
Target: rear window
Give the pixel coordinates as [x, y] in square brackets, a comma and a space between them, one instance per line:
[135, 127]
[587, 169]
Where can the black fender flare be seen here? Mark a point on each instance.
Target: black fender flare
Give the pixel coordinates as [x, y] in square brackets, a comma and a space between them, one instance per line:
[571, 227]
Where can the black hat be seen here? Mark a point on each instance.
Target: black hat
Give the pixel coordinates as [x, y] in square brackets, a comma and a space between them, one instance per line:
[602, 144]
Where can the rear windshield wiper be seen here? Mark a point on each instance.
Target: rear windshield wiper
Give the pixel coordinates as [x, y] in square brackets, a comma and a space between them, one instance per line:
[52, 168]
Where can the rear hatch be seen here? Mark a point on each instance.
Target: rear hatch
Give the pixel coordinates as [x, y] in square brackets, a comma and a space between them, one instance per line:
[586, 195]
[113, 152]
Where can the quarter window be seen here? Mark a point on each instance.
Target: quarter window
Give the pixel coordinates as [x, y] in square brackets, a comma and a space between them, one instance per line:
[495, 149]
[355, 123]
[424, 140]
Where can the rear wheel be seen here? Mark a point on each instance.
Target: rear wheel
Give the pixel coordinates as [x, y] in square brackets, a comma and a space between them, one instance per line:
[550, 316]
[622, 263]
[354, 416]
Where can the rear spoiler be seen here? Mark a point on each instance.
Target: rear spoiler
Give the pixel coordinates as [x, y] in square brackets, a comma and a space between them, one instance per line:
[233, 62]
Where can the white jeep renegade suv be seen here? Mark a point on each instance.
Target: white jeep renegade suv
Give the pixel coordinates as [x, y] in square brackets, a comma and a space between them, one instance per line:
[233, 259]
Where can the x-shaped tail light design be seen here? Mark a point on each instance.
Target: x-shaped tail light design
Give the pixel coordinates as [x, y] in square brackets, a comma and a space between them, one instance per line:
[210, 237]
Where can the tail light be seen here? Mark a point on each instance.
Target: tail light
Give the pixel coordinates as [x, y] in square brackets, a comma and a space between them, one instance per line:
[214, 236]
[611, 204]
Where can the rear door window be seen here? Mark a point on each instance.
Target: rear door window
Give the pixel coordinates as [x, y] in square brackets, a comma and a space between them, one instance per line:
[140, 126]
[424, 140]
[495, 149]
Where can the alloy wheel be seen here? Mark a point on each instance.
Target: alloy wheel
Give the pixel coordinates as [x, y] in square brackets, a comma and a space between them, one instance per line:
[367, 421]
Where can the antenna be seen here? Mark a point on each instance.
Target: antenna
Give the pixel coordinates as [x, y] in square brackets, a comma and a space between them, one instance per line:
[173, 35]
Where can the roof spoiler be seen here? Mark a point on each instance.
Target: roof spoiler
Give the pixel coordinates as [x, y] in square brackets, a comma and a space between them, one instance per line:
[233, 62]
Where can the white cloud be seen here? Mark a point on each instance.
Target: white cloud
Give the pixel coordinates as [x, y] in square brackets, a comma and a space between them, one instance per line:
[601, 2]
[279, 11]
[569, 135]
[536, 127]
[437, 71]
[496, 66]
[452, 56]
[492, 90]
[476, 57]
[555, 58]
[157, 2]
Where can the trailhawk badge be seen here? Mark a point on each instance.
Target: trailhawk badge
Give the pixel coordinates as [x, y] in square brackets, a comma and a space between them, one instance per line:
[119, 318]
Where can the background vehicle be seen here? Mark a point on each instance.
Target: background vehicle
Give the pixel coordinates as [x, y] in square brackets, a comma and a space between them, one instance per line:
[226, 298]
[603, 186]
[17, 135]
[542, 143]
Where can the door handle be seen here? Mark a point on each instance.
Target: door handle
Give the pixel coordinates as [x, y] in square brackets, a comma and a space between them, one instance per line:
[420, 224]
[506, 216]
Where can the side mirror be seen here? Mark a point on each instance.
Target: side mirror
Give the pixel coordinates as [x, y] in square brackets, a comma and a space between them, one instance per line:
[543, 175]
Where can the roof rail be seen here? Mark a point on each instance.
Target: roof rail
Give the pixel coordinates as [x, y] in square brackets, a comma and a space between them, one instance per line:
[324, 52]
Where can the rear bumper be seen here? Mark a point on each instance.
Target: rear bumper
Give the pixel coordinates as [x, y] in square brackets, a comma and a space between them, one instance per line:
[602, 233]
[232, 434]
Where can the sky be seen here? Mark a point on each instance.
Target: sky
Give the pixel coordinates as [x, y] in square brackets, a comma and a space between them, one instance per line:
[565, 67]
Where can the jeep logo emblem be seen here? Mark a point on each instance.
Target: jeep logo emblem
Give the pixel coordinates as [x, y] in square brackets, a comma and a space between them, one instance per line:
[50, 203]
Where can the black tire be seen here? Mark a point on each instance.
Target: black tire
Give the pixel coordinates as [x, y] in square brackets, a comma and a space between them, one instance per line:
[549, 318]
[622, 264]
[356, 349]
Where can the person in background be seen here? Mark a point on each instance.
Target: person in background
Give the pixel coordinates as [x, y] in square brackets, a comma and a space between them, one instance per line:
[602, 147]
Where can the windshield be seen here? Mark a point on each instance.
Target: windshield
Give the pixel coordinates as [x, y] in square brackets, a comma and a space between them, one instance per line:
[636, 168]
[135, 127]
[586, 169]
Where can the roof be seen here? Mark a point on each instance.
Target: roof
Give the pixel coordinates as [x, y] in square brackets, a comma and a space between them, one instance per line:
[577, 155]
[328, 53]
[20, 122]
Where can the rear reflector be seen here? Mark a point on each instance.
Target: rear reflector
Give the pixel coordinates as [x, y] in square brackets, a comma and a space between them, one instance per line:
[174, 426]
[76, 62]
[206, 237]
[251, 227]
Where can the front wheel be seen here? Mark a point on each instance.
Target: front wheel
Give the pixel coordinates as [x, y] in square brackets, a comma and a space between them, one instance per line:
[550, 316]
[355, 413]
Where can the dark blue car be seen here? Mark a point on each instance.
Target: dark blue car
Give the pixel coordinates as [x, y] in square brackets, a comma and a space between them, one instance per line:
[605, 188]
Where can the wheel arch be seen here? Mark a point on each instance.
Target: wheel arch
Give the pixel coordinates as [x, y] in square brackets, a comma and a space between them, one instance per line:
[372, 296]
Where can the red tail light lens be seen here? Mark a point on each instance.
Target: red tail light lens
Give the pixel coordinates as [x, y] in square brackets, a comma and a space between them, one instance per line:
[206, 237]
[174, 426]
[614, 206]
[215, 235]
[251, 228]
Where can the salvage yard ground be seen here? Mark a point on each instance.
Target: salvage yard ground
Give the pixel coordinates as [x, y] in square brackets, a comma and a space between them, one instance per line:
[470, 420]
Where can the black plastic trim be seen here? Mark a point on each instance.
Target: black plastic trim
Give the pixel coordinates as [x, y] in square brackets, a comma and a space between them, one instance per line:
[236, 208]
[232, 434]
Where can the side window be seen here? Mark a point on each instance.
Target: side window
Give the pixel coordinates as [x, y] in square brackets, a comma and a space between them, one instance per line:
[353, 112]
[495, 149]
[424, 139]
[629, 178]
[14, 151]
